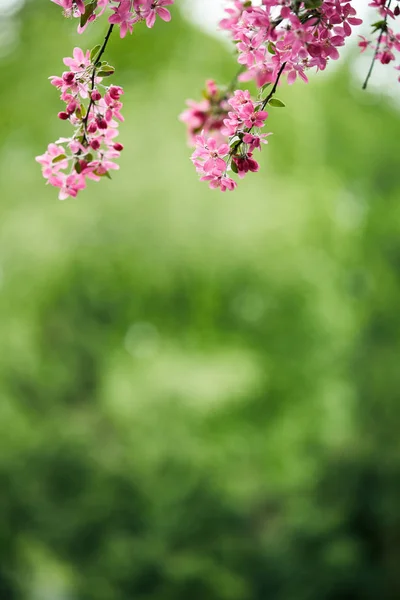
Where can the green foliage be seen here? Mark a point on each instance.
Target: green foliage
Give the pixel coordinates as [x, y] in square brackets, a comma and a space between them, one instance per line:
[277, 103]
[199, 393]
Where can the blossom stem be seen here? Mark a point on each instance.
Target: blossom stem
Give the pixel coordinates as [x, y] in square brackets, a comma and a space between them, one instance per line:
[104, 45]
[378, 44]
[93, 79]
[264, 104]
[273, 91]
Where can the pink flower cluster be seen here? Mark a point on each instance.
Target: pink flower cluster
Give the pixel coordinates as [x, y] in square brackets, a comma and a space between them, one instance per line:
[208, 115]
[125, 12]
[213, 160]
[273, 38]
[302, 35]
[92, 108]
[388, 42]
[94, 111]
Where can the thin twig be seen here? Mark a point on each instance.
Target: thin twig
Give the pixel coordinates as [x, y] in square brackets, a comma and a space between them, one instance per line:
[93, 78]
[264, 104]
[273, 91]
[371, 68]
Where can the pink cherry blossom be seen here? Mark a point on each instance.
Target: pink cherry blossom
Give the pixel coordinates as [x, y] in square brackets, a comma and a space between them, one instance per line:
[123, 17]
[79, 62]
[156, 8]
[275, 40]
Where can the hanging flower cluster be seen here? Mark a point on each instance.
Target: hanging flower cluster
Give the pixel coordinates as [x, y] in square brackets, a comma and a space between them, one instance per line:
[92, 108]
[125, 12]
[209, 114]
[387, 42]
[274, 39]
[279, 38]
[241, 126]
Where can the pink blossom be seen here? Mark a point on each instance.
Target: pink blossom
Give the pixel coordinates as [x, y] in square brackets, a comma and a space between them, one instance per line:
[274, 39]
[79, 62]
[70, 6]
[123, 17]
[211, 155]
[217, 180]
[254, 141]
[69, 185]
[244, 164]
[154, 8]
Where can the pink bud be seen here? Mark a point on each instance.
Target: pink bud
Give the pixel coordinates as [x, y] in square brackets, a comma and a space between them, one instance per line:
[95, 95]
[386, 57]
[102, 123]
[92, 127]
[115, 92]
[63, 116]
[72, 106]
[95, 144]
[118, 147]
[68, 77]
[253, 165]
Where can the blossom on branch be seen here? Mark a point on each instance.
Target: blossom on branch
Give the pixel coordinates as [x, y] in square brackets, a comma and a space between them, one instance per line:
[275, 40]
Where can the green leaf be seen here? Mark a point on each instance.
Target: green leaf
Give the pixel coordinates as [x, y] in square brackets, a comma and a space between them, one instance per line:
[106, 71]
[310, 4]
[235, 148]
[94, 52]
[59, 158]
[271, 48]
[379, 25]
[265, 86]
[105, 66]
[277, 103]
[234, 167]
[89, 10]
[235, 141]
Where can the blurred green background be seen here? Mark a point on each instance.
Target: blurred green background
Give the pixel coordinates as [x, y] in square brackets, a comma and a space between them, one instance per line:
[199, 392]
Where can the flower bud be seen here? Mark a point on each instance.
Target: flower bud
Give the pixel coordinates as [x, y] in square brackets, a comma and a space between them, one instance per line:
[102, 123]
[72, 106]
[63, 116]
[115, 92]
[118, 147]
[386, 57]
[95, 95]
[68, 77]
[92, 127]
[95, 144]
